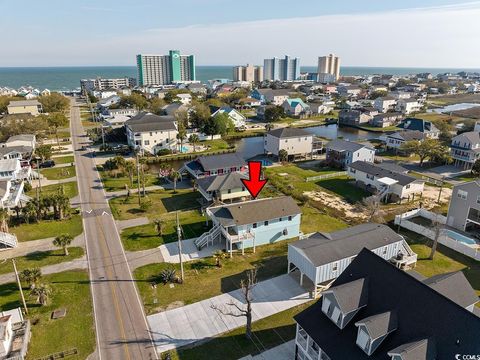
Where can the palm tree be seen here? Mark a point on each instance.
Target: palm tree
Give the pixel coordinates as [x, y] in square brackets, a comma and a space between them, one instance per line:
[219, 255]
[158, 224]
[63, 240]
[194, 139]
[31, 276]
[4, 220]
[175, 175]
[268, 126]
[130, 169]
[41, 292]
[30, 211]
[182, 135]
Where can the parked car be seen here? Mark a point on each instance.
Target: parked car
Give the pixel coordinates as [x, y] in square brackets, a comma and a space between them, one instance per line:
[47, 164]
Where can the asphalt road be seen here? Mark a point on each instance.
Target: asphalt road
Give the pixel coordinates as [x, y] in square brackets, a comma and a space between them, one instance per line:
[121, 327]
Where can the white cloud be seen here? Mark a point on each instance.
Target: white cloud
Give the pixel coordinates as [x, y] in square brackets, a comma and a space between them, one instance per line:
[444, 36]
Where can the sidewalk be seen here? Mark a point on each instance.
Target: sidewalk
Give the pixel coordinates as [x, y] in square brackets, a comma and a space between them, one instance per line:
[80, 263]
[123, 224]
[25, 247]
[189, 251]
[198, 321]
[137, 259]
[45, 182]
[113, 194]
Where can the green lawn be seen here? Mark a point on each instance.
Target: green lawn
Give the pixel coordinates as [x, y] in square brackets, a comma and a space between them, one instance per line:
[59, 173]
[445, 260]
[48, 228]
[70, 189]
[64, 159]
[313, 220]
[41, 258]
[70, 290]
[145, 237]
[118, 183]
[268, 333]
[343, 187]
[204, 280]
[163, 201]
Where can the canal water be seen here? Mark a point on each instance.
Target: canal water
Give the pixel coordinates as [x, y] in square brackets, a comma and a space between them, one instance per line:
[252, 146]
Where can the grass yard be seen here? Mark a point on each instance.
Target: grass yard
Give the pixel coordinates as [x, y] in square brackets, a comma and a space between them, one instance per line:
[204, 280]
[145, 237]
[343, 187]
[118, 183]
[445, 260]
[48, 228]
[454, 99]
[163, 201]
[268, 333]
[70, 189]
[70, 290]
[64, 159]
[41, 258]
[313, 220]
[59, 173]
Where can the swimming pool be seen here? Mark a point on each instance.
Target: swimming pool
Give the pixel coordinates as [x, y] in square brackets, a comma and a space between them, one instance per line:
[459, 237]
[184, 149]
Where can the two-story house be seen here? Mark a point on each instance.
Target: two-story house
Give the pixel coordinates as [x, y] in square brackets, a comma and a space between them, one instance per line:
[32, 107]
[408, 106]
[252, 223]
[296, 142]
[353, 117]
[465, 149]
[385, 103]
[428, 129]
[389, 185]
[223, 188]
[323, 257]
[341, 153]
[296, 107]
[464, 208]
[221, 164]
[269, 96]
[151, 133]
[374, 311]
[386, 119]
[397, 139]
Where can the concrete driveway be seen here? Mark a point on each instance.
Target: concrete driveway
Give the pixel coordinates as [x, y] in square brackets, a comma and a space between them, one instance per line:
[198, 321]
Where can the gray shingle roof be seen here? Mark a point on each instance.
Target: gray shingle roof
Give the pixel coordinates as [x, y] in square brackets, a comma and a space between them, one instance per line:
[24, 103]
[321, 248]
[472, 136]
[222, 182]
[407, 135]
[380, 172]
[288, 132]
[213, 162]
[351, 296]
[455, 286]
[150, 122]
[380, 324]
[343, 145]
[22, 137]
[250, 212]
[423, 349]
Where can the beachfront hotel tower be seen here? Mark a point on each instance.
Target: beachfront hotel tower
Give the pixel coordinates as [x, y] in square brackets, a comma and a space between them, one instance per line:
[287, 69]
[165, 69]
[328, 68]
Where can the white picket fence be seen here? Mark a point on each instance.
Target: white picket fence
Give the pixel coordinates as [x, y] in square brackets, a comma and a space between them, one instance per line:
[444, 239]
[326, 176]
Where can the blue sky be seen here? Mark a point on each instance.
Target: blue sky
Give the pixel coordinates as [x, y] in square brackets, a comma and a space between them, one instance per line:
[227, 32]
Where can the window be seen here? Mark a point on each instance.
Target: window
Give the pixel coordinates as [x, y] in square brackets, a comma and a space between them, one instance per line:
[363, 339]
[289, 218]
[462, 194]
[335, 266]
[280, 219]
[254, 225]
[146, 142]
[336, 315]
[151, 133]
[326, 303]
[229, 191]
[313, 349]
[265, 223]
[478, 199]
[408, 186]
[353, 171]
[385, 250]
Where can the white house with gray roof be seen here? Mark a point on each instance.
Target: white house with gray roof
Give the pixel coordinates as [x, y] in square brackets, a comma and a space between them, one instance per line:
[390, 185]
[465, 149]
[223, 188]
[296, 142]
[151, 133]
[464, 209]
[322, 257]
[341, 153]
[397, 139]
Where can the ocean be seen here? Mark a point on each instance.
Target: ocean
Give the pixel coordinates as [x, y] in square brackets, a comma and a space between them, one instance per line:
[68, 78]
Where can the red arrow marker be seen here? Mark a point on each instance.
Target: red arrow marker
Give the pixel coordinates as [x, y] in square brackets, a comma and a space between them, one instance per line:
[254, 184]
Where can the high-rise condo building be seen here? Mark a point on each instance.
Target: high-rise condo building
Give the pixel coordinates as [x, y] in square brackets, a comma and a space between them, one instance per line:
[165, 69]
[328, 68]
[248, 73]
[287, 69]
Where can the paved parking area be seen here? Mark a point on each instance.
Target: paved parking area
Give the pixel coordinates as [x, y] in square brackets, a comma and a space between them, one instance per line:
[188, 324]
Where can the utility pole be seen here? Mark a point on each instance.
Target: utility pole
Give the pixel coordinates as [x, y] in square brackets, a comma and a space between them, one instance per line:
[138, 180]
[20, 286]
[440, 192]
[179, 236]
[103, 138]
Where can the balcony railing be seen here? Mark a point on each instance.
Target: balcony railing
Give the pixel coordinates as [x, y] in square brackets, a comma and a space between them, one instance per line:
[234, 238]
